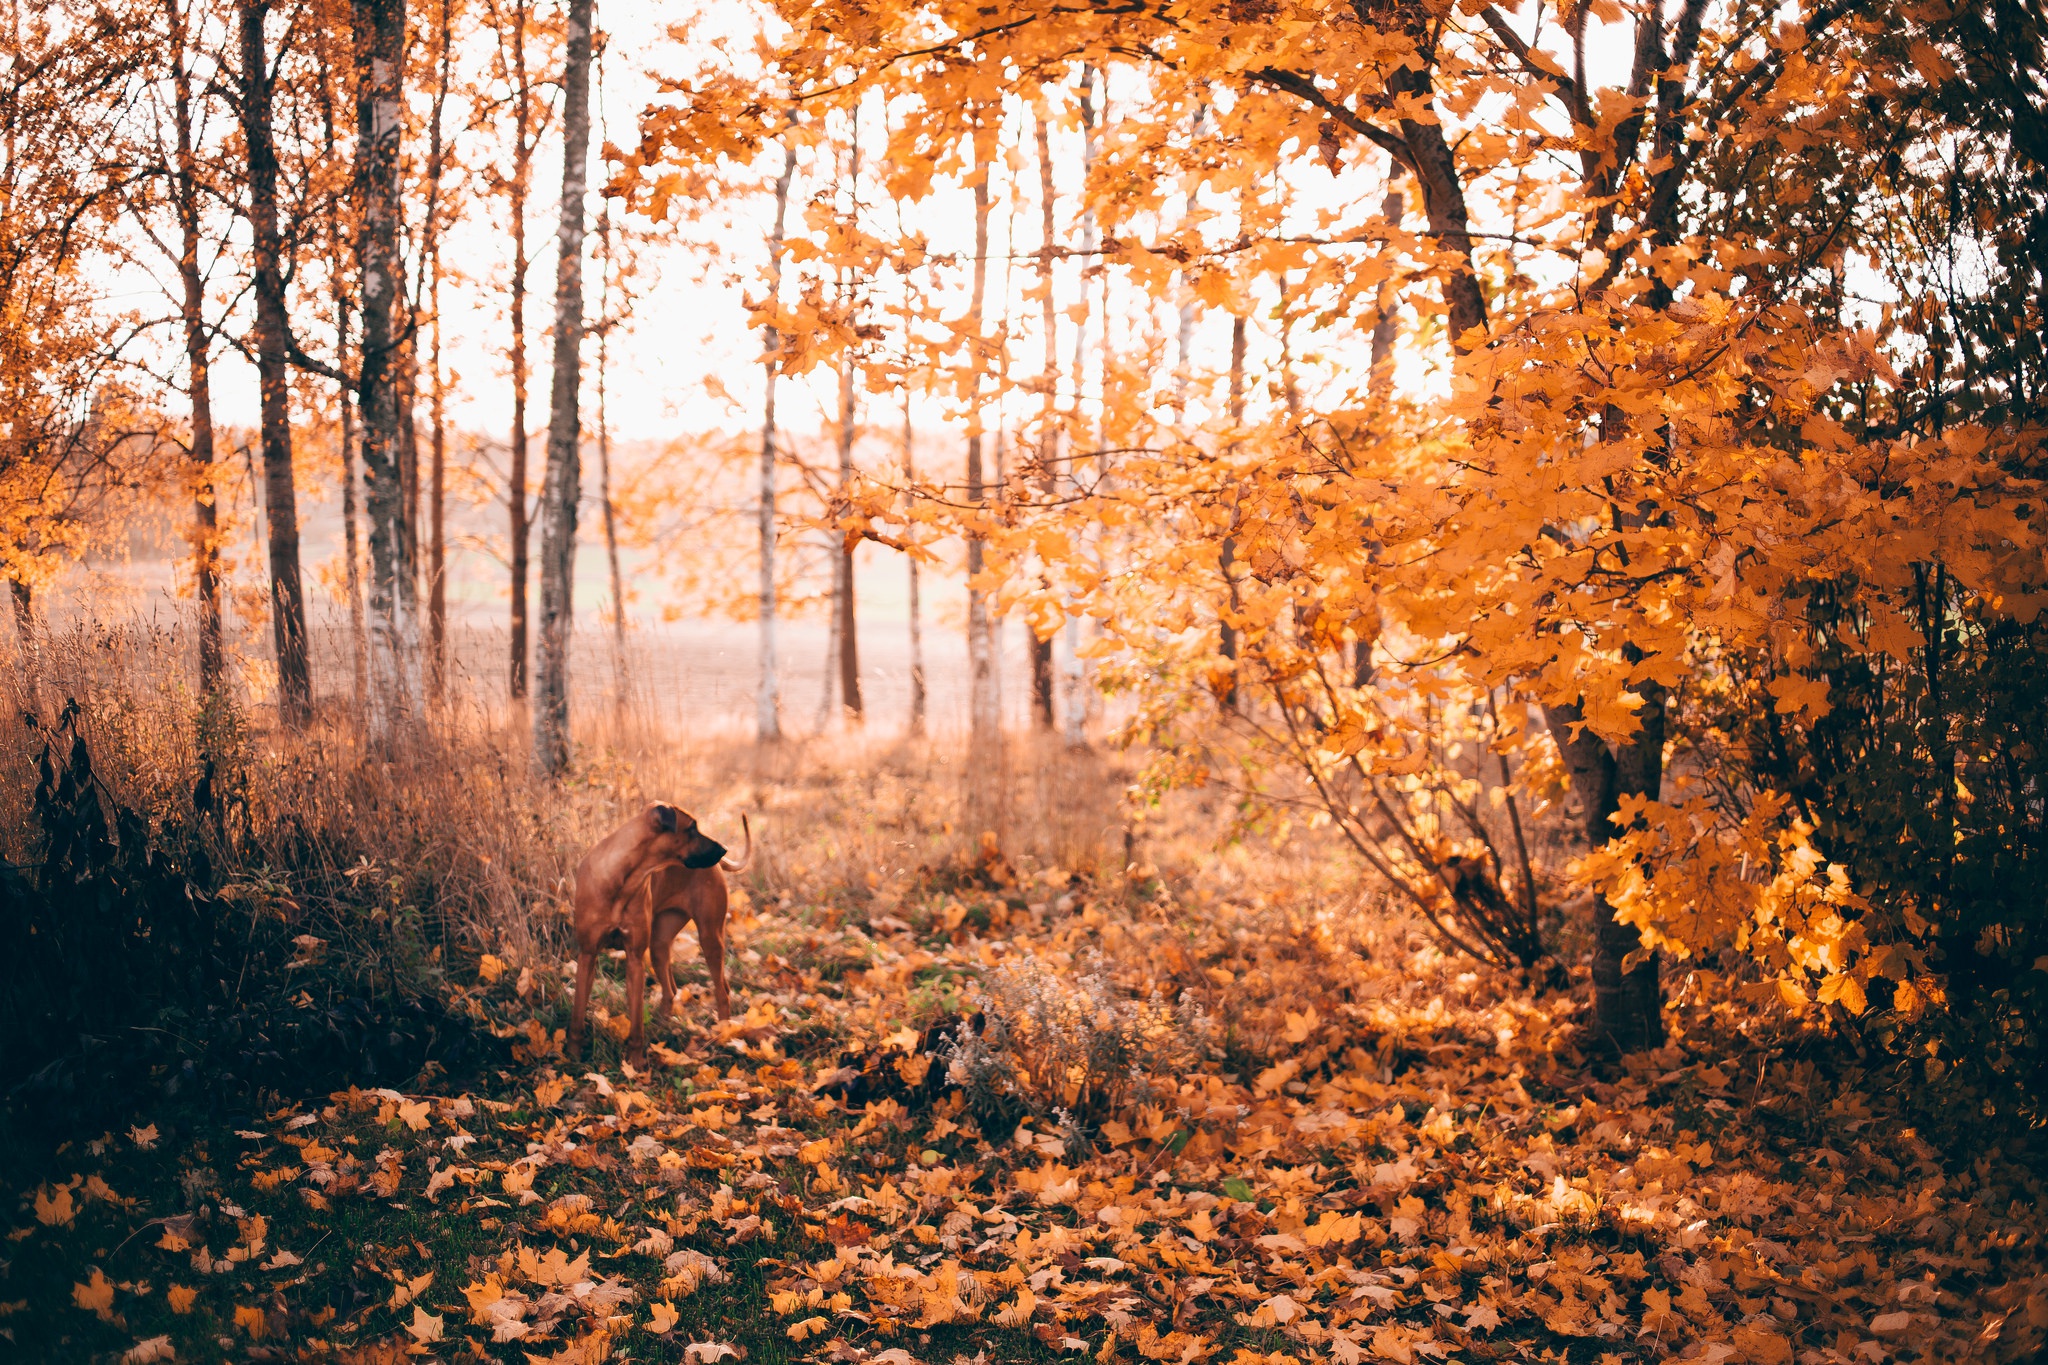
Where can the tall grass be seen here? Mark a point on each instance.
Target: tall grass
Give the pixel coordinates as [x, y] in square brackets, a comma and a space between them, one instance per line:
[334, 887]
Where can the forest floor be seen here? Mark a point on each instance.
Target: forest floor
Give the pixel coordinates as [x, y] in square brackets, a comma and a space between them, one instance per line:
[1236, 1116]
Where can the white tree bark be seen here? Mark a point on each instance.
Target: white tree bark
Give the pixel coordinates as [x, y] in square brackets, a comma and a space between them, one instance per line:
[564, 483]
[1074, 698]
[984, 703]
[394, 626]
[768, 699]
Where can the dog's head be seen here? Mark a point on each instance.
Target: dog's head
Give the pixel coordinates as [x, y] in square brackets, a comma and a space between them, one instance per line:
[676, 835]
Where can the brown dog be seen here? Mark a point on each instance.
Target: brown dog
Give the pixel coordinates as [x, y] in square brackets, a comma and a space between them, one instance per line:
[634, 890]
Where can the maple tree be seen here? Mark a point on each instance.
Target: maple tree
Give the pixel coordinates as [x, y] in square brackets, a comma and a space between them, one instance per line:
[1649, 446]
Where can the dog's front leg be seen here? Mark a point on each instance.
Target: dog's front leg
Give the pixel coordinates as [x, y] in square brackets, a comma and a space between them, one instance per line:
[579, 1015]
[636, 1005]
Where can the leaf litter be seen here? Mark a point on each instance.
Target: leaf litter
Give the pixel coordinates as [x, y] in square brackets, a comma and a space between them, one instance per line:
[994, 1129]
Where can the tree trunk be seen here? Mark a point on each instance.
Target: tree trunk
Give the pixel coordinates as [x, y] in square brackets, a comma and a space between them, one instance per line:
[985, 718]
[430, 285]
[1627, 1004]
[564, 483]
[848, 633]
[198, 360]
[604, 460]
[515, 494]
[24, 601]
[1227, 633]
[1380, 386]
[351, 540]
[918, 701]
[437, 495]
[1074, 705]
[280, 500]
[768, 698]
[1049, 435]
[393, 605]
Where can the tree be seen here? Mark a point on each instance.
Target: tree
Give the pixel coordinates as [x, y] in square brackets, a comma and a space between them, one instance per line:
[513, 24]
[984, 714]
[272, 344]
[429, 285]
[394, 636]
[564, 469]
[768, 698]
[185, 191]
[1571, 537]
[846, 630]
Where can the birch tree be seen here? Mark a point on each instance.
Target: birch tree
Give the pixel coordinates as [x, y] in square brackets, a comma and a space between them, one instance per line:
[563, 485]
[394, 635]
[768, 695]
[272, 344]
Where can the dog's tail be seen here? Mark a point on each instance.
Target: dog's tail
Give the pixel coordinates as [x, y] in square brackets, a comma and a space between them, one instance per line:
[741, 866]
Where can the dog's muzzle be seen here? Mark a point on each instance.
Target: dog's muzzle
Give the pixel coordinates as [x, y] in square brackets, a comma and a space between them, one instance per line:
[709, 857]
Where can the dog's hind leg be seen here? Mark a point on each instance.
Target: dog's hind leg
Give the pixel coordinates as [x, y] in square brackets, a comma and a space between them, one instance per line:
[711, 938]
[661, 950]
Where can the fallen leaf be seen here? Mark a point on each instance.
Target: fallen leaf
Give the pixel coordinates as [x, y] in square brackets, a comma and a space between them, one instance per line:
[97, 1296]
[425, 1326]
[55, 1210]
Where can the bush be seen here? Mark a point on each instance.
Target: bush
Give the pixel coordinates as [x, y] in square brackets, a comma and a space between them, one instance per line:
[1070, 1049]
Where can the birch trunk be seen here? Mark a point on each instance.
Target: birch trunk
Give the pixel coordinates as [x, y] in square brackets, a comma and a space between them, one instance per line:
[918, 702]
[437, 415]
[198, 360]
[564, 483]
[280, 498]
[393, 604]
[768, 699]
[515, 495]
[351, 536]
[984, 729]
[1074, 704]
[437, 505]
[1049, 435]
[604, 460]
[847, 635]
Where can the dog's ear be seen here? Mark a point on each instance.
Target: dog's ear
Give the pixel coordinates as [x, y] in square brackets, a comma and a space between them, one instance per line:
[664, 818]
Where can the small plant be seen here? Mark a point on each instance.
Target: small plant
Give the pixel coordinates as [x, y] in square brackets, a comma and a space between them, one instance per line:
[1070, 1047]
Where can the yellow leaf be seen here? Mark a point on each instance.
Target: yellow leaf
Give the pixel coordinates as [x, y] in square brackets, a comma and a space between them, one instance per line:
[252, 1321]
[424, 1327]
[490, 967]
[663, 1318]
[808, 1327]
[181, 1299]
[96, 1296]
[1761, 1347]
[55, 1210]
[414, 1115]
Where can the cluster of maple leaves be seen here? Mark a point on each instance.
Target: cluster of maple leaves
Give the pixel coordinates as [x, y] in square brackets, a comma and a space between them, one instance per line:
[1384, 1157]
